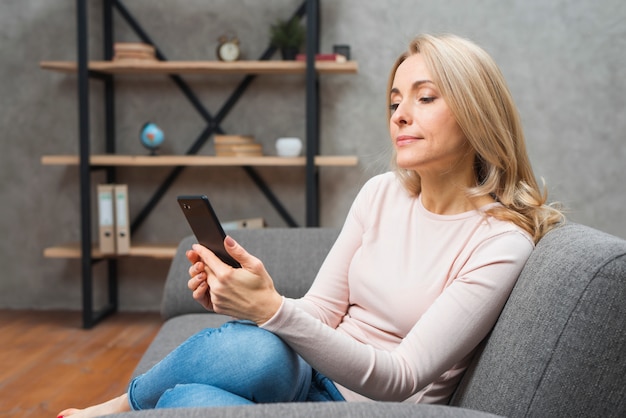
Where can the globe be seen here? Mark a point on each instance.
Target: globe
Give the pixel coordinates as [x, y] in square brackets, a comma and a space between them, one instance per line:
[151, 137]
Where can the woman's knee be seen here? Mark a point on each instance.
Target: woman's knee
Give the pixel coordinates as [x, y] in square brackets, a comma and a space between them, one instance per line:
[275, 372]
[256, 345]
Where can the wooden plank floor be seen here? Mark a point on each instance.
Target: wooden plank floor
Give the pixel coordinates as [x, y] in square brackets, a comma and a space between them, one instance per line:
[49, 363]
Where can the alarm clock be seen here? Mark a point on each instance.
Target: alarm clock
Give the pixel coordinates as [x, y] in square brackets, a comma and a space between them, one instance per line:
[228, 48]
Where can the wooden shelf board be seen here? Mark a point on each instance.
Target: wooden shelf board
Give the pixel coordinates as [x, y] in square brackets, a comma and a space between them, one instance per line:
[136, 250]
[202, 67]
[197, 160]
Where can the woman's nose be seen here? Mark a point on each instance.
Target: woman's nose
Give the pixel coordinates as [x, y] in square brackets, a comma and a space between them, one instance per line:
[400, 116]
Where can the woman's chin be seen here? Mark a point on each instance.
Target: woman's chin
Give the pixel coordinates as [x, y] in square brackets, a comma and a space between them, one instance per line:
[406, 163]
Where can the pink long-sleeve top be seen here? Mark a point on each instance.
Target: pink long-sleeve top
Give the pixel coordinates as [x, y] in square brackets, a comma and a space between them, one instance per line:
[404, 296]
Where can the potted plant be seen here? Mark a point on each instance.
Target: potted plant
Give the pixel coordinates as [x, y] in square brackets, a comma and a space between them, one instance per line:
[288, 36]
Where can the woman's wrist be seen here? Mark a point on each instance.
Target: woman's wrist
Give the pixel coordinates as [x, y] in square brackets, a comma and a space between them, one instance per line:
[273, 307]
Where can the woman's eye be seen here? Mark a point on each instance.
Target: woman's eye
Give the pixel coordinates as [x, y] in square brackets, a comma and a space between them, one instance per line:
[393, 107]
[426, 99]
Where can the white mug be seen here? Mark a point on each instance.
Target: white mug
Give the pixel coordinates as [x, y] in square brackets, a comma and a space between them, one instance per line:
[288, 146]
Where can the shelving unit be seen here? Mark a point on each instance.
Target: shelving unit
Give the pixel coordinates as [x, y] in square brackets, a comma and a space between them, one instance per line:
[106, 70]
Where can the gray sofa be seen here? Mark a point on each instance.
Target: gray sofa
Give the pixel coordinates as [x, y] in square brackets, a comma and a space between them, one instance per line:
[558, 349]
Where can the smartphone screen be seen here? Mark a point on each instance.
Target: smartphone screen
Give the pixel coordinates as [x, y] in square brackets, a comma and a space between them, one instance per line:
[206, 226]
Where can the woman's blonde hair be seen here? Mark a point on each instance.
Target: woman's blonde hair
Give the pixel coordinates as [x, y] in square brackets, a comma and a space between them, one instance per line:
[475, 91]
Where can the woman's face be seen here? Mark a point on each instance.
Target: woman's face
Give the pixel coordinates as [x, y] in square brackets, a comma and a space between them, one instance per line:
[424, 132]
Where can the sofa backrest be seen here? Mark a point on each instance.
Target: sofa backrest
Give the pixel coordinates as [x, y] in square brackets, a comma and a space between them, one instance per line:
[292, 256]
[559, 346]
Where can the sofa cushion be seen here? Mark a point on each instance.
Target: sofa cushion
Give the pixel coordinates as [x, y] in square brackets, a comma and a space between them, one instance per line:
[315, 410]
[292, 263]
[559, 348]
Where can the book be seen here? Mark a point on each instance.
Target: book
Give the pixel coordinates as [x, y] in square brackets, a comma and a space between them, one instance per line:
[323, 57]
[237, 146]
[133, 51]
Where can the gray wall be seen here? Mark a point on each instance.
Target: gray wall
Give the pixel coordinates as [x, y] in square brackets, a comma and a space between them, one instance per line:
[564, 61]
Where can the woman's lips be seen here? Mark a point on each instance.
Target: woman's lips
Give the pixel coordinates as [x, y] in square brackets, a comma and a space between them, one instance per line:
[406, 140]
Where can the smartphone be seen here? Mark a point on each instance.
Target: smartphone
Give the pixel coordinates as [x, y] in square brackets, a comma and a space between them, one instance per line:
[206, 226]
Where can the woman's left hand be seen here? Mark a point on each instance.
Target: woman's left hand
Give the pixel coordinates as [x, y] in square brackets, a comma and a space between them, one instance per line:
[244, 293]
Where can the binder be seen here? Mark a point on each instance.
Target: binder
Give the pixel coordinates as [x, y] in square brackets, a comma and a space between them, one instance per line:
[122, 227]
[106, 219]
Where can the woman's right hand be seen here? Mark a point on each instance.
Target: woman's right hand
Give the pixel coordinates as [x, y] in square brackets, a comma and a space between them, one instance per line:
[198, 280]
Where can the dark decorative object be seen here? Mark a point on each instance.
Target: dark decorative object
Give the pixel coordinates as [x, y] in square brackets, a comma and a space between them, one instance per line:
[151, 137]
[342, 50]
[288, 36]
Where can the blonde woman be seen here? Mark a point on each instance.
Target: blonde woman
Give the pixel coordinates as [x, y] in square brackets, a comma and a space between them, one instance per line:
[417, 278]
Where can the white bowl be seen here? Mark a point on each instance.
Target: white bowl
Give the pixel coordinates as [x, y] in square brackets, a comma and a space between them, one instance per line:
[288, 147]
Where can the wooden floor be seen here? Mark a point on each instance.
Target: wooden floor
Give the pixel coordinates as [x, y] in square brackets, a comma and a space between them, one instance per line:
[48, 362]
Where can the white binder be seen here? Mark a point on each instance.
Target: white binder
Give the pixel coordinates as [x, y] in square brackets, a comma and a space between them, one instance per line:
[122, 227]
[106, 219]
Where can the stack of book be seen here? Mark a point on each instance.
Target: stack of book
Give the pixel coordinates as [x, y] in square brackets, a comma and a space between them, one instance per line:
[237, 146]
[133, 51]
[324, 57]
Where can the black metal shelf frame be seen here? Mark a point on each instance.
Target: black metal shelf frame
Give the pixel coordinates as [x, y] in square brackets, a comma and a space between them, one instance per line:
[308, 8]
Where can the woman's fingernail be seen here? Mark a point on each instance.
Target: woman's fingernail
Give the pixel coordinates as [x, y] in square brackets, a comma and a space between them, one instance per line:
[229, 241]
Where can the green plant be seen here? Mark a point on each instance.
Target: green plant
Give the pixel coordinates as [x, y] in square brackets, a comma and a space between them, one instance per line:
[287, 34]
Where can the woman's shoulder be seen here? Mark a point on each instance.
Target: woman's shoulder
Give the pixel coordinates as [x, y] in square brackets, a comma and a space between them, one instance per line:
[499, 229]
[377, 194]
[383, 180]
[383, 187]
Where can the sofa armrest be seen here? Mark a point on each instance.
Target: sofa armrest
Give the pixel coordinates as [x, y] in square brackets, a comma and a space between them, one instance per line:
[558, 346]
[292, 256]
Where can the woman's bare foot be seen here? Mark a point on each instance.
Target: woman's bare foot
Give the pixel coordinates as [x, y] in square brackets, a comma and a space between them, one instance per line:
[119, 404]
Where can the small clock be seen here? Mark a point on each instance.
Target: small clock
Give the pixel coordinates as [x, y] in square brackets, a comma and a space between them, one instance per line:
[228, 48]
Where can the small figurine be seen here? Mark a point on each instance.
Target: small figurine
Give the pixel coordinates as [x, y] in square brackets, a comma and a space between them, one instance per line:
[151, 137]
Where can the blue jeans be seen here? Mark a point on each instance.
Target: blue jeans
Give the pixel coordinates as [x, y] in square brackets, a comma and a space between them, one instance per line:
[236, 364]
